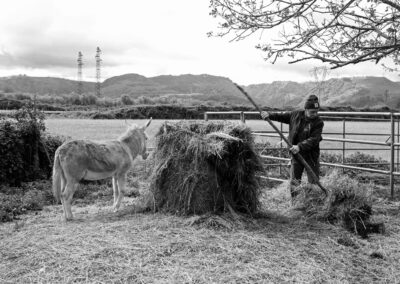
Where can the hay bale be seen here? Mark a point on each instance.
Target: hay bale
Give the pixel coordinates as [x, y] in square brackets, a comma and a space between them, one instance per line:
[203, 167]
[348, 202]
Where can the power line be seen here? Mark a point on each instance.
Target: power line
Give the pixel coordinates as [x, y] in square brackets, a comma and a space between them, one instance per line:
[80, 64]
[98, 72]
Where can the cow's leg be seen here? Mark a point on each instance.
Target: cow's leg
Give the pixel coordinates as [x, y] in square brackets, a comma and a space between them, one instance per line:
[63, 185]
[116, 191]
[67, 195]
[121, 179]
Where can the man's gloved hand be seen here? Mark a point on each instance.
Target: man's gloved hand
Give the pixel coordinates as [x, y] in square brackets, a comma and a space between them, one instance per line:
[264, 115]
[295, 149]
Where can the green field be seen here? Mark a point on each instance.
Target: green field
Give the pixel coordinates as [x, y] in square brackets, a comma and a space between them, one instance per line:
[102, 129]
[111, 129]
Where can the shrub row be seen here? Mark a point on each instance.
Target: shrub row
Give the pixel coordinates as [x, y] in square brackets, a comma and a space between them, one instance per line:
[26, 152]
[168, 112]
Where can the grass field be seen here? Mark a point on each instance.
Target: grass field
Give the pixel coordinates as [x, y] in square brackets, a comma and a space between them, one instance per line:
[102, 129]
[111, 129]
[280, 246]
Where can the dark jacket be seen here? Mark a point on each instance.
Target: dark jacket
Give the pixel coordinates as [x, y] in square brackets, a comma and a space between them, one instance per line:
[302, 132]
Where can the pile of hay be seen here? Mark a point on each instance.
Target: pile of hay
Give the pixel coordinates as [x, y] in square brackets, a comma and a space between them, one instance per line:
[348, 202]
[203, 167]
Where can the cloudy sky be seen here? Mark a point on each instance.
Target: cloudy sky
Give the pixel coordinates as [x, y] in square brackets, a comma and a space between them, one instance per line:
[153, 37]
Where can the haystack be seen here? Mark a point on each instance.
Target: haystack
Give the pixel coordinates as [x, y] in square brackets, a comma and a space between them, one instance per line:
[349, 203]
[203, 167]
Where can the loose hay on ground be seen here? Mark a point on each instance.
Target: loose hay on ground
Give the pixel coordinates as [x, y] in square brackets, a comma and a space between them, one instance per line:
[348, 202]
[203, 167]
[158, 248]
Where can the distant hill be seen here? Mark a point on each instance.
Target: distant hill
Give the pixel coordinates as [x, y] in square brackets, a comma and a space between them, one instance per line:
[41, 85]
[204, 87]
[358, 92]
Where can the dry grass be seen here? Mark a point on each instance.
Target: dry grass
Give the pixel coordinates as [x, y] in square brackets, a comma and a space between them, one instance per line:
[127, 247]
[348, 202]
[203, 167]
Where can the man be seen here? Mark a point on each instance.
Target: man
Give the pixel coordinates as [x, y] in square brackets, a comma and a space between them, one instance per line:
[305, 130]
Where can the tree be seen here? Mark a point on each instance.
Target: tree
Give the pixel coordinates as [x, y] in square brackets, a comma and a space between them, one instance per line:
[89, 99]
[335, 32]
[126, 100]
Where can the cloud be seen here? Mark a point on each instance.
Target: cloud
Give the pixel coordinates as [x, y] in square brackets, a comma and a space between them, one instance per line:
[6, 59]
[49, 34]
[144, 37]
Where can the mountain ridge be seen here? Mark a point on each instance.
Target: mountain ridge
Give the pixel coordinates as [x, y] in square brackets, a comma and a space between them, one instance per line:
[362, 91]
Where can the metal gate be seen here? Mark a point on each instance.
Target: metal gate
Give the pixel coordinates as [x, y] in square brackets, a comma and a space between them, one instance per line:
[390, 144]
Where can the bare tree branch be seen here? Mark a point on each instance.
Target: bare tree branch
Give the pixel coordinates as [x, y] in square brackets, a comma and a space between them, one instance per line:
[335, 32]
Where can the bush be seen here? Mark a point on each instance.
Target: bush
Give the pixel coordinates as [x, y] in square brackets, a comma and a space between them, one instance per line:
[126, 100]
[47, 99]
[24, 155]
[363, 160]
[75, 99]
[11, 149]
[145, 100]
[22, 97]
[51, 143]
[102, 115]
[89, 99]
[106, 102]
[30, 117]
[33, 200]
[43, 186]
[10, 104]
[10, 207]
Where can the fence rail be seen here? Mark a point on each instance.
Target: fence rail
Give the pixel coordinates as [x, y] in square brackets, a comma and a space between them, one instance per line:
[390, 143]
[8, 111]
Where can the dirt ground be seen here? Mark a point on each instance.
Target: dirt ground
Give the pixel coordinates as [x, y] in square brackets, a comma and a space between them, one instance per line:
[101, 246]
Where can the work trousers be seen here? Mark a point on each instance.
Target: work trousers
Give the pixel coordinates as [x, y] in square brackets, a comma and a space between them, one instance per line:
[296, 172]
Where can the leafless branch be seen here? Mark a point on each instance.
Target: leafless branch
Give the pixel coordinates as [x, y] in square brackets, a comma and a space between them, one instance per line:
[330, 31]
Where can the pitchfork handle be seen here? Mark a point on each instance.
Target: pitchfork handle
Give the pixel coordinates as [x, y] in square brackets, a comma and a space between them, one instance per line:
[298, 156]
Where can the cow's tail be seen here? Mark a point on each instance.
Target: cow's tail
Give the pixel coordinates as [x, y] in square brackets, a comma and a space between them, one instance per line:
[58, 178]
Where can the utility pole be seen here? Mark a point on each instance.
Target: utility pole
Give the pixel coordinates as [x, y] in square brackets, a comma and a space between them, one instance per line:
[386, 96]
[98, 73]
[80, 64]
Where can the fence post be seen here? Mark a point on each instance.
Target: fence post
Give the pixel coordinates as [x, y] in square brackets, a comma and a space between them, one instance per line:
[242, 117]
[392, 147]
[206, 116]
[280, 152]
[397, 148]
[344, 143]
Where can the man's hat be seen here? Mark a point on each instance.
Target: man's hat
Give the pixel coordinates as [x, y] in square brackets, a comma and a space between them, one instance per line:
[311, 102]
